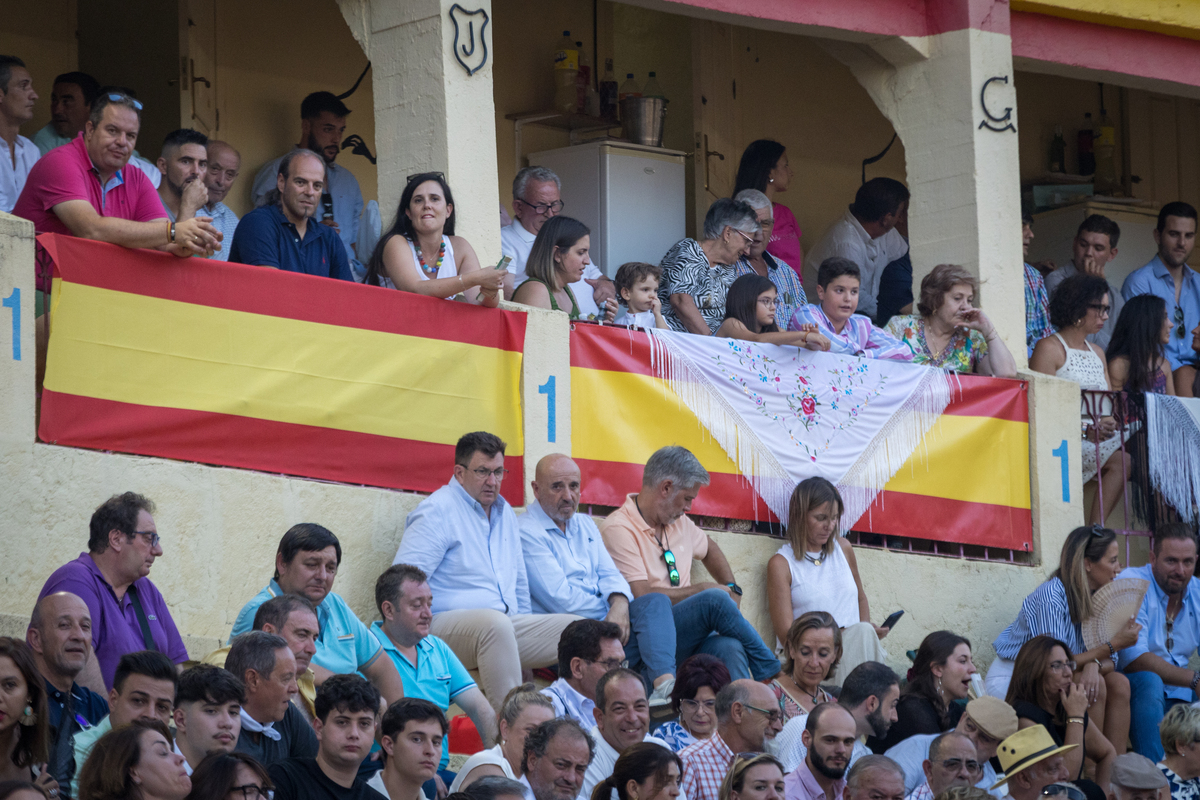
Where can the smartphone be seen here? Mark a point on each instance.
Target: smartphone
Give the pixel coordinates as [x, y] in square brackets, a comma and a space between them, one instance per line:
[504, 262]
[891, 621]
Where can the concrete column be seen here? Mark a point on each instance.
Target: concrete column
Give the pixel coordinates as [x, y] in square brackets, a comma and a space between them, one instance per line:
[964, 178]
[429, 114]
[545, 388]
[17, 346]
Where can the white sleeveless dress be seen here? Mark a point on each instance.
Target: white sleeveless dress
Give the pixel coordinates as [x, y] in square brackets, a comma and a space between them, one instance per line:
[1087, 369]
[449, 268]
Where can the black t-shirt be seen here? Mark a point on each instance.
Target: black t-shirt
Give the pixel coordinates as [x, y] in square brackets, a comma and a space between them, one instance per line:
[302, 779]
[1058, 732]
[297, 740]
[915, 714]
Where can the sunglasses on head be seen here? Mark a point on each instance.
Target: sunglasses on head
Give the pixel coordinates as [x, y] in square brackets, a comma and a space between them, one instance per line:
[122, 98]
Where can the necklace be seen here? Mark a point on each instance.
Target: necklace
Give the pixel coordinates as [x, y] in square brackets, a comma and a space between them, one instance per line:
[440, 257]
[816, 561]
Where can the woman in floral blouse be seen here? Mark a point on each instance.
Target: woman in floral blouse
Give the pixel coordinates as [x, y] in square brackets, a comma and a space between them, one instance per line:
[1180, 730]
[950, 332]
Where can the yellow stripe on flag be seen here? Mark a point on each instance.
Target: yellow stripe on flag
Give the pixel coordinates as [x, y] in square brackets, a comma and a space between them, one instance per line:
[110, 345]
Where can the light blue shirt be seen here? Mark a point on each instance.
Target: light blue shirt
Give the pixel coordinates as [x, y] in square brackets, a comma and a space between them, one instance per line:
[438, 676]
[1155, 279]
[472, 560]
[569, 573]
[345, 645]
[347, 203]
[1152, 616]
[47, 139]
[224, 220]
[912, 752]
[568, 702]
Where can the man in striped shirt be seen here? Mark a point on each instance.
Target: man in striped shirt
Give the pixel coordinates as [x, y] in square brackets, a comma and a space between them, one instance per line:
[747, 715]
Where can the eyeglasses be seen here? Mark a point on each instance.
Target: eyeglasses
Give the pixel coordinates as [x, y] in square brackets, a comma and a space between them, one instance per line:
[542, 208]
[769, 302]
[1170, 634]
[695, 705]
[1057, 666]
[1056, 789]
[672, 569]
[772, 716]
[250, 791]
[428, 176]
[1101, 308]
[151, 536]
[608, 663]
[749, 239]
[117, 97]
[1179, 331]
[955, 764]
[484, 474]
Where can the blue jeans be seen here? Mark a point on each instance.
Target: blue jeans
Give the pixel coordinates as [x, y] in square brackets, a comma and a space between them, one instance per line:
[1148, 703]
[663, 635]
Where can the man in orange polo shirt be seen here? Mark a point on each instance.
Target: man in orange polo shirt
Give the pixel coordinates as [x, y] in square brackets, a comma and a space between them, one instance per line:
[652, 541]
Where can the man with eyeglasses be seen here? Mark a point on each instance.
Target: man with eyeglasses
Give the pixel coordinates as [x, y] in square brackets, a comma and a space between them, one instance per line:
[306, 563]
[622, 719]
[588, 649]
[536, 198]
[128, 612]
[652, 541]
[1157, 665]
[829, 736]
[952, 762]
[1168, 276]
[465, 538]
[224, 165]
[747, 716]
[1094, 247]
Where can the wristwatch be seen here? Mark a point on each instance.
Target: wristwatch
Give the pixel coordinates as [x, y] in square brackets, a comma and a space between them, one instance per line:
[733, 587]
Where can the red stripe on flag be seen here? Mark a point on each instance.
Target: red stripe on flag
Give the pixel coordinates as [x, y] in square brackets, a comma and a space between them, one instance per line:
[275, 293]
[229, 440]
[981, 396]
[943, 520]
[607, 483]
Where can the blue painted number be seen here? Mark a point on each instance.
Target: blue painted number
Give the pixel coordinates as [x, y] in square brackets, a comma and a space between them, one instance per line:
[547, 389]
[1060, 452]
[13, 301]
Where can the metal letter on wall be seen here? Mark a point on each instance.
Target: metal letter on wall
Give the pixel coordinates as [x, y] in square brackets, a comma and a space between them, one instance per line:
[1001, 123]
[470, 44]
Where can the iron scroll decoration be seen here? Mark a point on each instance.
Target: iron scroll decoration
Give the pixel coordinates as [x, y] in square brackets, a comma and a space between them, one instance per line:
[462, 52]
[998, 124]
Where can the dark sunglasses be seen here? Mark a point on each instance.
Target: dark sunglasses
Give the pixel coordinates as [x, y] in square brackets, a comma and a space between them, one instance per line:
[672, 570]
[1180, 330]
[429, 176]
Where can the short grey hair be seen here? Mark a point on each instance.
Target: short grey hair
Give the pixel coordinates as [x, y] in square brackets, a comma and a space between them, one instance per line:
[675, 464]
[726, 213]
[869, 763]
[755, 199]
[736, 692]
[539, 174]
[254, 650]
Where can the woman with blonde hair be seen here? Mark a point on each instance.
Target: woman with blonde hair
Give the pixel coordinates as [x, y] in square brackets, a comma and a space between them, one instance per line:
[813, 648]
[1180, 731]
[815, 570]
[753, 776]
[523, 709]
[1057, 608]
[949, 331]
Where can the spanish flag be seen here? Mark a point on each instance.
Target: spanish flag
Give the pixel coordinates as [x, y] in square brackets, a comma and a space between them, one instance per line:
[967, 482]
[252, 367]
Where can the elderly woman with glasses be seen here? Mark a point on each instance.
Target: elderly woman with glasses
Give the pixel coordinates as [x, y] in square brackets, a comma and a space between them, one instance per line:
[694, 699]
[1043, 692]
[697, 274]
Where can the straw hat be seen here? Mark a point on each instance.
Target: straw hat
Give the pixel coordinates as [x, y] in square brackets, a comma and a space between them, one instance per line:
[1024, 748]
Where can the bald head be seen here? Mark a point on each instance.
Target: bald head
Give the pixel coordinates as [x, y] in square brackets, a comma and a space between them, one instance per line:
[60, 635]
[224, 164]
[556, 484]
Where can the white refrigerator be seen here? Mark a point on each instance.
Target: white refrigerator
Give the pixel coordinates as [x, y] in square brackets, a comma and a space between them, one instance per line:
[630, 195]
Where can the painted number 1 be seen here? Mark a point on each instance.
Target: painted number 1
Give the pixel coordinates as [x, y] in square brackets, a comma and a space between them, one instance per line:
[1060, 452]
[547, 389]
[13, 301]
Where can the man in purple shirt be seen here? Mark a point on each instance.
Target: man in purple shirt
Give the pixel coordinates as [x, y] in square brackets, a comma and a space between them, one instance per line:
[128, 612]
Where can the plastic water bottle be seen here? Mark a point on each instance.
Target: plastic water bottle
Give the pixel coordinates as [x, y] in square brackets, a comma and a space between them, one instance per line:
[653, 89]
[629, 88]
[566, 72]
[608, 91]
[1105, 145]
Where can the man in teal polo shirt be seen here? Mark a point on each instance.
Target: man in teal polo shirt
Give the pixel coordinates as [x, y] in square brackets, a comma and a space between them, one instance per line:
[306, 564]
[427, 665]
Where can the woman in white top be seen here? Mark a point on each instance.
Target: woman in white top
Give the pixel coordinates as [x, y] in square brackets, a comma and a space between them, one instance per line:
[816, 571]
[523, 709]
[1079, 308]
[421, 254]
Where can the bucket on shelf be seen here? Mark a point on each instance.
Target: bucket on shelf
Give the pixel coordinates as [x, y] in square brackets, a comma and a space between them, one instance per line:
[642, 119]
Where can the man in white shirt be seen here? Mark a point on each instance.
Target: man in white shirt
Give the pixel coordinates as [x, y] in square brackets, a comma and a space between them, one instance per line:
[224, 165]
[587, 650]
[208, 706]
[866, 234]
[16, 107]
[536, 198]
[622, 720]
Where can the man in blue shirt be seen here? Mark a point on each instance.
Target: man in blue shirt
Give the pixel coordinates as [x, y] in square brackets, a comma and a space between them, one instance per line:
[306, 564]
[427, 665]
[1157, 665]
[282, 233]
[464, 537]
[1168, 276]
[571, 572]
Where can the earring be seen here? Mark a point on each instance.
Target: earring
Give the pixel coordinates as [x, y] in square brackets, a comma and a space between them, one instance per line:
[770, 180]
[939, 688]
[28, 719]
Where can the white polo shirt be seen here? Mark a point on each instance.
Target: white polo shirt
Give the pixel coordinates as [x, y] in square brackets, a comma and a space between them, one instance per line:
[516, 242]
[13, 177]
[848, 239]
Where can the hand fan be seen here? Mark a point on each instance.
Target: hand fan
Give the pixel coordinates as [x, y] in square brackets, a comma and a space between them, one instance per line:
[1112, 606]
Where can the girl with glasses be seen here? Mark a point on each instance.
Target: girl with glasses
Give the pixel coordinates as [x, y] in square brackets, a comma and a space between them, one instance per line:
[1044, 692]
[750, 315]
[694, 699]
[230, 776]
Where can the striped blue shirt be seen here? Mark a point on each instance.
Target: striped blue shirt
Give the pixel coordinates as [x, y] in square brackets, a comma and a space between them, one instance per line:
[1043, 612]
